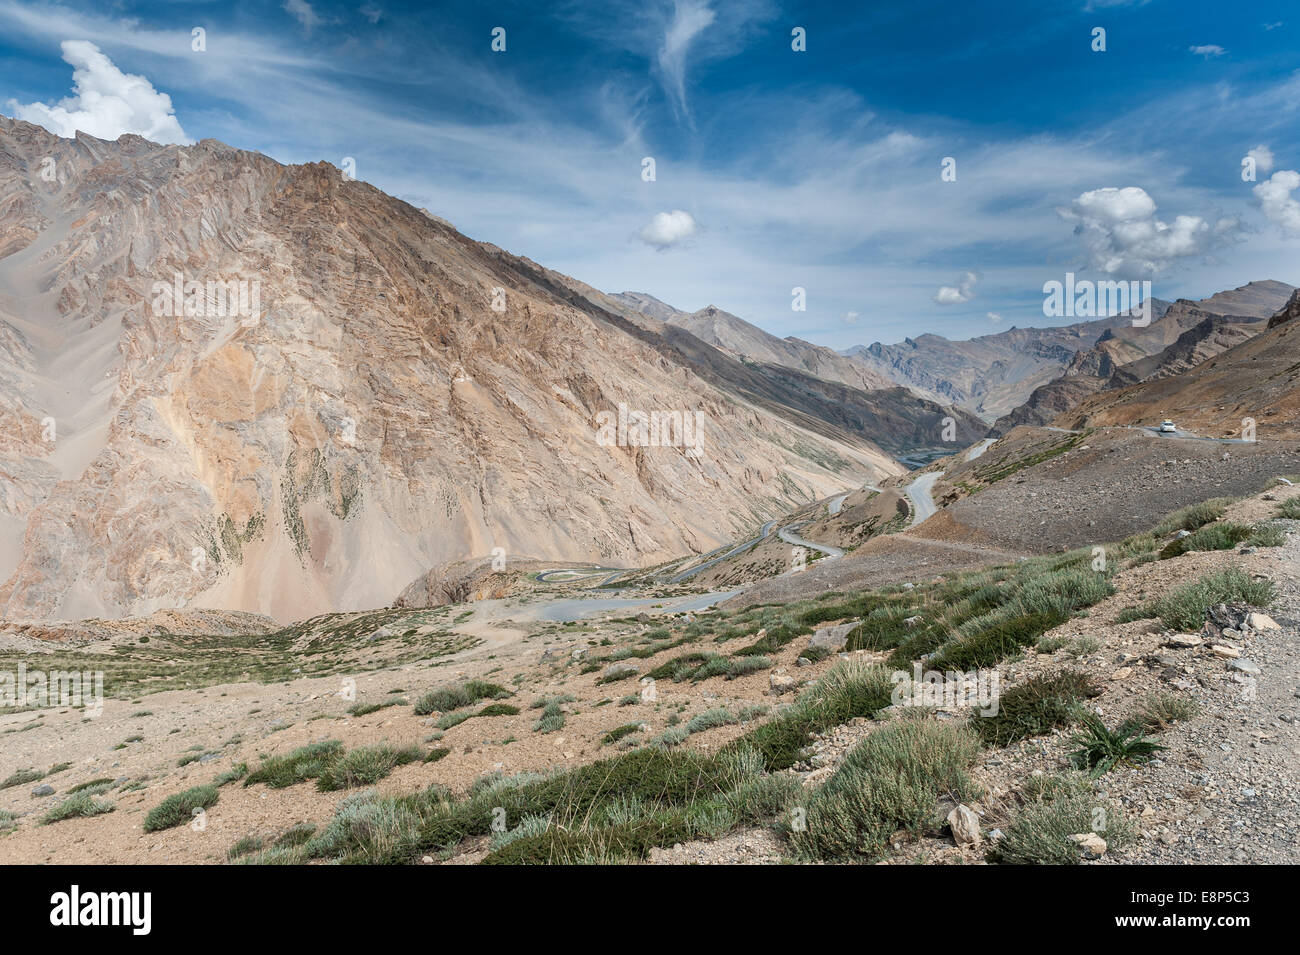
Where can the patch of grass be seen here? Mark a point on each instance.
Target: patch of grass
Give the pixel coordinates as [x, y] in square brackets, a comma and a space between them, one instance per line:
[82, 804]
[232, 775]
[194, 757]
[18, 777]
[1035, 707]
[100, 784]
[245, 846]
[1102, 749]
[179, 808]
[437, 753]
[552, 718]
[305, 762]
[1192, 517]
[1220, 535]
[364, 709]
[988, 647]
[498, 709]
[891, 781]
[1057, 807]
[1184, 607]
[1290, 508]
[296, 834]
[364, 766]
[1267, 535]
[618, 732]
[461, 695]
[1161, 710]
[849, 689]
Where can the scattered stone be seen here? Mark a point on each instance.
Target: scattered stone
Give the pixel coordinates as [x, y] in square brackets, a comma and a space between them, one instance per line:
[834, 638]
[622, 668]
[1245, 666]
[965, 826]
[1091, 845]
[45, 789]
[1261, 621]
[1221, 650]
[779, 683]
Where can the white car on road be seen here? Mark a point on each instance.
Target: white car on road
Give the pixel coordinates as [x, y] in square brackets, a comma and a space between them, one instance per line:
[1167, 427]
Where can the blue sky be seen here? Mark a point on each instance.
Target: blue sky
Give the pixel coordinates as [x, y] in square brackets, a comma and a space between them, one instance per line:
[774, 168]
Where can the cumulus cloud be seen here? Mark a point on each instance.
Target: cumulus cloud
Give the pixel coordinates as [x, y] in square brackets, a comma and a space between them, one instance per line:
[1120, 230]
[963, 291]
[1208, 50]
[850, 318]
[105, 102]
[302, 12]
[667, 229]
[1264, 160]
[994, 317]
[690, 19]
[1275, 199]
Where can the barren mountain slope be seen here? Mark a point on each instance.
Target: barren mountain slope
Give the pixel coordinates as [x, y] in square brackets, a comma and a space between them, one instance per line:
[1186, 334]
[375, 416]
[1257, 379]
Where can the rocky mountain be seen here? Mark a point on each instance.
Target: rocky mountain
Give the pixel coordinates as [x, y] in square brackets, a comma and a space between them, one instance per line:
[1186, 334]
[229, 383]
[737, 337]
[989, 375]
[1257, 378]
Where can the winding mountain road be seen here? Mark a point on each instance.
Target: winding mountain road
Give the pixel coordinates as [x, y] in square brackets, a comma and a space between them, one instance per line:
[788, 535]
[919, 493]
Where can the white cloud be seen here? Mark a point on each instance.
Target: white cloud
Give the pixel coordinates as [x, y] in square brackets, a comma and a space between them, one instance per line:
[1207, 51]
[105, 102]
[690, 19]
[994, 317]
[1276, 201]
[851, 318]
[1264, 160]
[667, 229]
[303, 13]
[1120, 230]
[963, 291]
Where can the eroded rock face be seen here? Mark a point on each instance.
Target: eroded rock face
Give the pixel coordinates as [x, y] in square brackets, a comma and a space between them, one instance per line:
[364, 414]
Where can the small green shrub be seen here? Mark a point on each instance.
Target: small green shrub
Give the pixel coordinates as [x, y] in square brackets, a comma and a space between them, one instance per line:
[179, 808]
[1035, 707]
[1056, 808]
[364, 766]
[1101, 749]
[82, 804]
[892, 780]
[1184, 607]
[305, 762]
[1161, 710]
[455, 697]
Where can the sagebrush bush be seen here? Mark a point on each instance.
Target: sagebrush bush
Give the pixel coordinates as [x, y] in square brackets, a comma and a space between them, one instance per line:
[1035, 707]
[365, 765]
[82, 804]
[1184, 607]
[1056, 808]
[1192, 517]
[458, 696]
[179, 808]
[892, 780]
